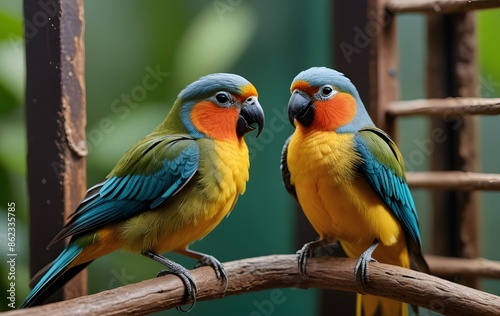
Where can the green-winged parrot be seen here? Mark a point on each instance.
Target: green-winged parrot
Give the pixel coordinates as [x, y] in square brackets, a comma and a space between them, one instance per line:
[171, 188]
[349, 179]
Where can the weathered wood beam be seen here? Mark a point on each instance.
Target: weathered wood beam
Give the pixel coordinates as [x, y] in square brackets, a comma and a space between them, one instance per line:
[351, 56]
[384, 64]
[473, 267]
[439, 6]
[446, 108]
[454, 180]
[279, 271]
[452, 71]
[55, 116]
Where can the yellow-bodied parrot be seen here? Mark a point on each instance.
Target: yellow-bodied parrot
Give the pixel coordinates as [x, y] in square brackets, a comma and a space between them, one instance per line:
[349, 179]
[171, 188]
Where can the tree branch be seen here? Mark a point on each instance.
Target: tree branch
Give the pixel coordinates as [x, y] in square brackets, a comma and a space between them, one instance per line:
[279, 271]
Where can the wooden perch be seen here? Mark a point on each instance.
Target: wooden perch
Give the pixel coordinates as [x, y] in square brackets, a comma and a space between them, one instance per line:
[439, 6]
[464, 267]
[454, 180]
[448, 108]
[279, 271]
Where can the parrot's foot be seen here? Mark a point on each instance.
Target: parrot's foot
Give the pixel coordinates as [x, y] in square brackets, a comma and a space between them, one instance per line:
[361, 268]
[206, 260]
[313, 249]
[220, 272]
[178, 270]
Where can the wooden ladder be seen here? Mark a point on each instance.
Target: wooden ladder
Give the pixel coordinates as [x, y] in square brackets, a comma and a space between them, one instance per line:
[452, 104]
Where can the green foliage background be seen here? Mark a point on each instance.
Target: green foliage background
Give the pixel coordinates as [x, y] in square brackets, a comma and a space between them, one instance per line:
[268, 42]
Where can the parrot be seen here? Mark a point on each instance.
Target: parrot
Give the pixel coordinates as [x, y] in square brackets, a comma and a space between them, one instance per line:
[349, 179]
[171, 188]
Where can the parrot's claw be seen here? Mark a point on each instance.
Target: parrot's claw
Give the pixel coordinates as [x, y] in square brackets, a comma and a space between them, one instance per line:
[307, 251]
[361, 274]
[179, 271]
[218, 267]
[187, 279]
[361, 268]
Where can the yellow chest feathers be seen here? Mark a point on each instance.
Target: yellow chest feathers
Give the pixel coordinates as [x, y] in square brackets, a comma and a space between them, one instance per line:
[315, 153]
[224, 167]
[338, 202]
[223, 171]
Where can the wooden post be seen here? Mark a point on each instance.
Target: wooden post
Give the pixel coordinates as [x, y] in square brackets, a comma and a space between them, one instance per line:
[467, 74]
[55, 115]
[384, 69]
[353, 34]
[351, 49]
[452, 71]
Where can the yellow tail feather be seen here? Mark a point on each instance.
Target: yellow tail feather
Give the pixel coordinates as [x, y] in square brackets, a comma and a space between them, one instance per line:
[369, 305]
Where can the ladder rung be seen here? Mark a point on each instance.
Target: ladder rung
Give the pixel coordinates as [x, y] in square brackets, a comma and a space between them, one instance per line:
[454, 180]
[439, 6]
[445, 107]
[453, 267]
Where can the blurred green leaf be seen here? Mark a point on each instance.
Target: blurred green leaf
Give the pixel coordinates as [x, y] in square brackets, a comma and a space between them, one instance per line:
[10, 27]
[6, 192]
[214, 42]
[12, 74]
[489, 46]
[13, 143]
[8, 100]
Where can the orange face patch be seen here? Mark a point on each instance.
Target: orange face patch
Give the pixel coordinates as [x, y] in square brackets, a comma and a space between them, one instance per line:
[214, 121]
[334, 113]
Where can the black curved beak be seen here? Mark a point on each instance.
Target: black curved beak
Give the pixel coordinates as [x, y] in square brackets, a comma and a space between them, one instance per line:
[300, 108]
[251, 114]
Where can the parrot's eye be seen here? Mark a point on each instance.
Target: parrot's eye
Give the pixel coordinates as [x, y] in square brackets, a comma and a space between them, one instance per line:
[326, 92]
[222, 97]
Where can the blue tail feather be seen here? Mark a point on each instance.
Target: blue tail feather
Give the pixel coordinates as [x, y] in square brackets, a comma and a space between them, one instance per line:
[47, 284]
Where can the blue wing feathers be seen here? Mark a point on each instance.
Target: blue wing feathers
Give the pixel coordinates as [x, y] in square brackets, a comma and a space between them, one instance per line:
[123, 189]
[134, 187]
[108, 187]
